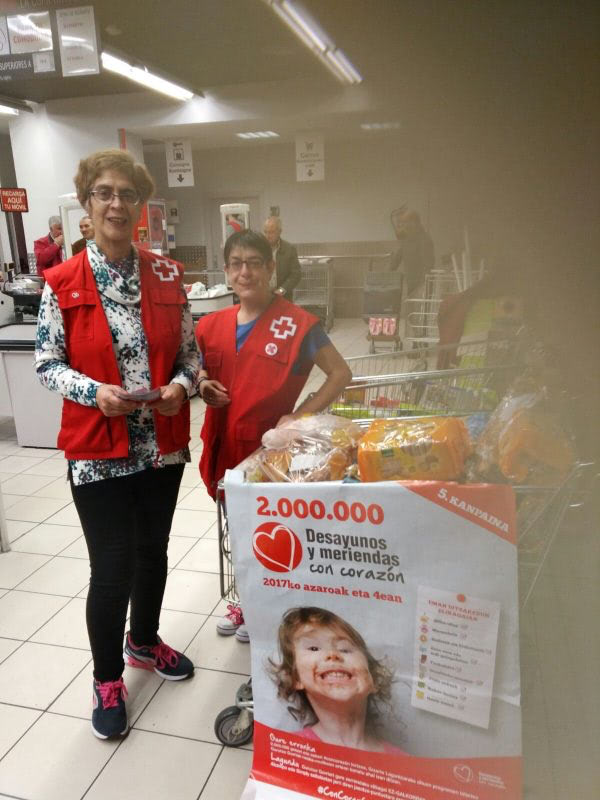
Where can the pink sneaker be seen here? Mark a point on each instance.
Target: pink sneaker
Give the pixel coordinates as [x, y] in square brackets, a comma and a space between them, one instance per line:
[109, 715]
[229, 624]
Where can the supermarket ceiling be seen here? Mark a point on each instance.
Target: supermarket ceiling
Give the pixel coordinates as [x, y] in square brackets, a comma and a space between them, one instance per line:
[424, 62]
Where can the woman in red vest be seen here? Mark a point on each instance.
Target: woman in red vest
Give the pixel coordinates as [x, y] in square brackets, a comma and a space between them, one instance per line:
[115, 338]
[257, 356]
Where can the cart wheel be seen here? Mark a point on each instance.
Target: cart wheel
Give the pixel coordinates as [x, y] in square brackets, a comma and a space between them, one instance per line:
[227, 729]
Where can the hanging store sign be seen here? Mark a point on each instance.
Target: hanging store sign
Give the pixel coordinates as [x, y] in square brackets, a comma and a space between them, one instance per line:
[310, 157]
[77, 41]
[29, 33]
[46, 43]
[180, 168]
[13, 200]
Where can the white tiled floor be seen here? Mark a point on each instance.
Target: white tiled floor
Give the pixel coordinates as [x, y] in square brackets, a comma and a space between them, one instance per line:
[47, 751]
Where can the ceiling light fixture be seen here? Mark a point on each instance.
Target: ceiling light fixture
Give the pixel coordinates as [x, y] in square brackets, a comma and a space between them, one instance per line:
[315, 38]
[258, 135]
[8, 110]
[145, 78]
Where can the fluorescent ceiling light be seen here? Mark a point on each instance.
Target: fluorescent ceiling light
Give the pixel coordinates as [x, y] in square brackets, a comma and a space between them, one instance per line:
[288, 12]
[345, 65]
[258, 135]
[145, 78]
[315, 38]
[380, 126]
[8, 110]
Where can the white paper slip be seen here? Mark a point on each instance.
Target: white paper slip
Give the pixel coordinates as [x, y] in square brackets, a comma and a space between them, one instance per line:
[144, 395]
[455, 654]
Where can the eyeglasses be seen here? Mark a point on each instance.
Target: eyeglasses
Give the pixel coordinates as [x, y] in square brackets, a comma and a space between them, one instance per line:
[105, 195]
[252, 263]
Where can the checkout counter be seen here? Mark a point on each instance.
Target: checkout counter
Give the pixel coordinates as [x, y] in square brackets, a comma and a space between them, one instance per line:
[36, 410]
[206, 305]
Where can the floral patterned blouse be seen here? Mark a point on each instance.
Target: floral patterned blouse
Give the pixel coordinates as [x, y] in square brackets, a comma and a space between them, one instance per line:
[118, 284]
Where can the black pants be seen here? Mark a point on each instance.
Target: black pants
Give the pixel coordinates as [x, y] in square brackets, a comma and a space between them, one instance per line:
[126, 522]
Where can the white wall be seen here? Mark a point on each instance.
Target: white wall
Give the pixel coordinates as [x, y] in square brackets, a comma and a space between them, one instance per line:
[363, 182]
[48, 144]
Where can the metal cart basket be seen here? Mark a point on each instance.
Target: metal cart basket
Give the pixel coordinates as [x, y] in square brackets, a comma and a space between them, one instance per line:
[314, 292]
[421, 315]
[483, 352]
[408, 383]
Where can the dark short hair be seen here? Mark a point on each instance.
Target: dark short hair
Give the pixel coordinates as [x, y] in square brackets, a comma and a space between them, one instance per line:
[248, 238]
[285, 675]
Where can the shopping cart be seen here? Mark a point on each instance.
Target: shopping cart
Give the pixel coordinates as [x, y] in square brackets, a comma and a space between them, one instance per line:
[382, 299]
[439, 283]
[541, 512]
[314, 292]
[408, 383]
[480, 352]
[421, 317]
[234, 725]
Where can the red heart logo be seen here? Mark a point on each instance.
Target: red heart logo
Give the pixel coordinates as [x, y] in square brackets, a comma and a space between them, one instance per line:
[277, 547]
[463, 773]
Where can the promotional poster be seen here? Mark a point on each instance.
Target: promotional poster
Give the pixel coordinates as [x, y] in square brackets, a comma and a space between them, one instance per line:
[383, 622]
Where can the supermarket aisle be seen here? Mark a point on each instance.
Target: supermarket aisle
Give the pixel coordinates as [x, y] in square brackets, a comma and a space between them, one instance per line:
[47, 751]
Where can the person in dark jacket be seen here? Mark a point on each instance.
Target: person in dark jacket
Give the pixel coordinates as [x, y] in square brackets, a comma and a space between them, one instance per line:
[415, 257]
[287, 267]
[86, 227]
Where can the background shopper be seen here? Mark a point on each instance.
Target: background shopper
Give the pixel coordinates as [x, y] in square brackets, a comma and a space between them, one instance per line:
[287, 273]
[48, 248]
[86, 227]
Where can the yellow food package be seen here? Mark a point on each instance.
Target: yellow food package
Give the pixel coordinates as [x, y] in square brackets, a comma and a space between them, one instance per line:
[432, 448]
[532, 448]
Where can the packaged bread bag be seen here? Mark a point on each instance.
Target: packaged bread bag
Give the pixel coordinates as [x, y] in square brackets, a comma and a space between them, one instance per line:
[317, 447]
[428, 448]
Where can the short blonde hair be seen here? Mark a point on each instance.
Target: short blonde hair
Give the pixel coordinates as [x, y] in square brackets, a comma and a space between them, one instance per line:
[121, 161]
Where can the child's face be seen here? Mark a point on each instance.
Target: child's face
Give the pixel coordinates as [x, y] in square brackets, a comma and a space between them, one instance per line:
[330, 665]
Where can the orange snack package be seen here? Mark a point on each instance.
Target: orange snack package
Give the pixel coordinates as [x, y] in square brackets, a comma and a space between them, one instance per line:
[430, 448]
[532, 448]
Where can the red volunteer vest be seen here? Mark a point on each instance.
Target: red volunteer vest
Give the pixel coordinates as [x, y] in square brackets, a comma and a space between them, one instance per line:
[259, 380]
[85, 432]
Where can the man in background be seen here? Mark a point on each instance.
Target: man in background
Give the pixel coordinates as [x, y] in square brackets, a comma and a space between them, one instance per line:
[415, 257]
[48, 248]
[287, 273]
[86, 228]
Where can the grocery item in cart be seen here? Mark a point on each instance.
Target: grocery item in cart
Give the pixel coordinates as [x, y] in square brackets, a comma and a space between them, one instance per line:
[319, 447]
[432, 448]
[524, 441]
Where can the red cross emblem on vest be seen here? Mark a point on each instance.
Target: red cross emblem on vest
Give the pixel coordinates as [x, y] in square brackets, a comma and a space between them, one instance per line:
[164, 270]
[283, 327]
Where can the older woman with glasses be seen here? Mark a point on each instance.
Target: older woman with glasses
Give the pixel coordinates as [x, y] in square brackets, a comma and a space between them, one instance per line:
[115, 338]
[257, 356]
